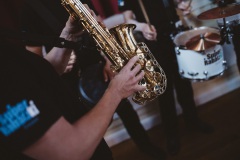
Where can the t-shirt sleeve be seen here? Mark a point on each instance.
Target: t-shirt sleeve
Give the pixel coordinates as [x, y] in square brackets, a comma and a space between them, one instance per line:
[27, 109]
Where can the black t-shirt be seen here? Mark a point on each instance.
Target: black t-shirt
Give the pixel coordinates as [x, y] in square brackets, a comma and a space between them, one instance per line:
[32, 98]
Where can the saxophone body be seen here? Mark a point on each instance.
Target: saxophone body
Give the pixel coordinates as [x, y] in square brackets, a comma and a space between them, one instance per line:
[119, 46]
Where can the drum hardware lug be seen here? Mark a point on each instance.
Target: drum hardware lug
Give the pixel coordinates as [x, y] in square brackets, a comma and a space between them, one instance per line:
[224, 62]
[193, 74]
[181, 72]
[178, 52]
[205, 73]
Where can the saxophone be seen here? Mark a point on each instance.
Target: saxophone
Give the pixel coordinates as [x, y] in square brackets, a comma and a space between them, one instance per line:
[118, 45]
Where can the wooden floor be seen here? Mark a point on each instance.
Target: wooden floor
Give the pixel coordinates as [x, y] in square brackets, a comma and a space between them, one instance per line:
[224, 144]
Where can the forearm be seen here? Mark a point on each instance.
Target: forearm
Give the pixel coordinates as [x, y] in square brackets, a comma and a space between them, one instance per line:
[139, 25]
[96, 122]
[59, 57]
[130, 18]
[114, 20]
[76, 141]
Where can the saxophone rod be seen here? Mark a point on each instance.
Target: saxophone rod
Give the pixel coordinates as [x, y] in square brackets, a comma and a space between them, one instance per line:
[145, 13]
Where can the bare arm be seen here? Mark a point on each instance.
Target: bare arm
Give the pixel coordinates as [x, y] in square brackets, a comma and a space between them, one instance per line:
[64, 141]
[149, 32]
[114, 20]
[59, 57]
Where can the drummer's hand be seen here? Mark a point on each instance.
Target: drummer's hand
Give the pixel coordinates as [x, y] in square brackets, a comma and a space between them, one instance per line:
[149, 33]
[184, 6]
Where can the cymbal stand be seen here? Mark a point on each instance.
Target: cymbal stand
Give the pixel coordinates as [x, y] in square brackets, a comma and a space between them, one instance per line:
[222, 3]
[225, 33]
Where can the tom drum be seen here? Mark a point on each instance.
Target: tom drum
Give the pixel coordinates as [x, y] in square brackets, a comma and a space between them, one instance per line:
[199, 65]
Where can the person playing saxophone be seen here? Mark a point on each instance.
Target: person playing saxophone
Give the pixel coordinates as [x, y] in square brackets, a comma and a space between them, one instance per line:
[40, 118]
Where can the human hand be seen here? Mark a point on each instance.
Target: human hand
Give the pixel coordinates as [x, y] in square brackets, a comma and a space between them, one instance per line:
[125, 83]
[185, 6]
[73, 28]
[108, 74]
[149, 33]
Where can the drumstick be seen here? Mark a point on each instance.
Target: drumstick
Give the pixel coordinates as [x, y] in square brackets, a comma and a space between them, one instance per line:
[190, 2]
[145, 13]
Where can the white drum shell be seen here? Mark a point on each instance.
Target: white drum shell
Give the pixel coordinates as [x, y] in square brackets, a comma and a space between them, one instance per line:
[200, 66]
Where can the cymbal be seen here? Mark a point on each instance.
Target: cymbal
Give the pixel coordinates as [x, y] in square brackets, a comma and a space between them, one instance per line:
[203, 41]
[220, 12]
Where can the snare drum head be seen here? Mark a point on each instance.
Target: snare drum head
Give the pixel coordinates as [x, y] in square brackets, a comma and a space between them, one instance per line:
[182, 38]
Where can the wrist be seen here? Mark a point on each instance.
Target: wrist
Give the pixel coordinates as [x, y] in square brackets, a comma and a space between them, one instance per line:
[68, 36]
[113, 92]
[140, 26]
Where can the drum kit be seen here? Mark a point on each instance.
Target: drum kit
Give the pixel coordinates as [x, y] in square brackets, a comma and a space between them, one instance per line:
[199, 52]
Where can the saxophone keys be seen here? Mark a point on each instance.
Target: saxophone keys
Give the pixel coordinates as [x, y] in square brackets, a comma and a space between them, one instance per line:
[157, 77]
[149, 66]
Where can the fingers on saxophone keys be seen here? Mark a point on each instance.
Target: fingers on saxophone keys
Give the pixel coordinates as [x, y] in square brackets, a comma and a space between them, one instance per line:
[140, 88]
[140, 75]
[131, 62]
[136, 69]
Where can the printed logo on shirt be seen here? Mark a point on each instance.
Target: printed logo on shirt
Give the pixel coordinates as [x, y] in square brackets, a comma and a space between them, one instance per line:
[17, 116]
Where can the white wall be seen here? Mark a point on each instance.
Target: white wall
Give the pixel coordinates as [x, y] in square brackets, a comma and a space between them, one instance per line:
[203, 91]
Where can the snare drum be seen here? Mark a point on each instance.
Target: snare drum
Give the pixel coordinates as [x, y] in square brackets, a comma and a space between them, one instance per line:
[202, 65]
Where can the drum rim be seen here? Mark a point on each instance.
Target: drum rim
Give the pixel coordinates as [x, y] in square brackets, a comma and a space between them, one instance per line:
[204, 79]
[192, 30]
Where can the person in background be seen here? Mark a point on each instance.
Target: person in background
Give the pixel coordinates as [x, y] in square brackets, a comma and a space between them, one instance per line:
[34, 123]
[32, 22]
[157, 35]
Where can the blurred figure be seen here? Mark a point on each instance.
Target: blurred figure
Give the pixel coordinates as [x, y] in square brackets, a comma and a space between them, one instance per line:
[86, 64]
[156, 29]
